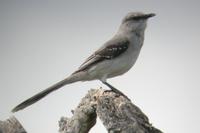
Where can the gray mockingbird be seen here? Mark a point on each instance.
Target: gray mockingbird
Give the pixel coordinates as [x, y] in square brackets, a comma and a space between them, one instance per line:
[114, 58]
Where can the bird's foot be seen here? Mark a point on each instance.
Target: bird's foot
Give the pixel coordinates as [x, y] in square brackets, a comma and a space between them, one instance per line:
[113, 89]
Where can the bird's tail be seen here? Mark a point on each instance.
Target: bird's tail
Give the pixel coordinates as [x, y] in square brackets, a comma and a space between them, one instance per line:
[71, 79]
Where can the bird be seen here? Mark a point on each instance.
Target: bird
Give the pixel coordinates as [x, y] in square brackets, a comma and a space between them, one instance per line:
[114, 58]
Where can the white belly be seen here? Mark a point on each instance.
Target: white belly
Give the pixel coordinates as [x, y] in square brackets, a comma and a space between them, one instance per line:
[123, 64]
[114, 67]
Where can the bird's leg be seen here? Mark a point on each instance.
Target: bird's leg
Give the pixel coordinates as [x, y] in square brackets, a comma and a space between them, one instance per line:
[115, 90]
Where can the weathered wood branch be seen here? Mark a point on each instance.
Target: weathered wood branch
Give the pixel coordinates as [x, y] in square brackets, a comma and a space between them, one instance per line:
[84, 116]
[11, 125]
[118, 114]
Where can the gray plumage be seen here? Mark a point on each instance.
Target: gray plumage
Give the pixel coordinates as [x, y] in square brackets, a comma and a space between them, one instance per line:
[114, 58]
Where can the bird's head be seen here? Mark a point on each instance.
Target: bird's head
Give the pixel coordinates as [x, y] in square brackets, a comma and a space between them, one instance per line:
[135, 21]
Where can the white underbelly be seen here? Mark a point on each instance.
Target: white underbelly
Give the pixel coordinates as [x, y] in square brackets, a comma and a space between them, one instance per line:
[122, 65]
[114, 67]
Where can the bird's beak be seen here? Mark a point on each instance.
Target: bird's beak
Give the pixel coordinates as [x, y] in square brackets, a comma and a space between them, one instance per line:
[149, 15]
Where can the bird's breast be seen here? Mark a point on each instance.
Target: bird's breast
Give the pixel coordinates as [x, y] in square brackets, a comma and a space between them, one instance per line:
[124, 62]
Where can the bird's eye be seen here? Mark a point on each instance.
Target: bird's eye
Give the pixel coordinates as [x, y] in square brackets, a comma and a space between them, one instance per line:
[137, 18]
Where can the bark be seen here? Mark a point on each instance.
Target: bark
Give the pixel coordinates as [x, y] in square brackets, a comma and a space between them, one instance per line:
[84, 116]
[118, 114]
[11, 125]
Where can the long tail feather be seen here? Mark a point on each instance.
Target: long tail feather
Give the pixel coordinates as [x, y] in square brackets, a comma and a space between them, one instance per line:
[45, 92]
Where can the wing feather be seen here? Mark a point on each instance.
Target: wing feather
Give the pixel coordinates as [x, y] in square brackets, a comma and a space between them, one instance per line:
[112, 49]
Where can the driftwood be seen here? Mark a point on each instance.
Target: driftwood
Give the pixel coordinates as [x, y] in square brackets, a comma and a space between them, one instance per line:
[11, 125]
[118, 114]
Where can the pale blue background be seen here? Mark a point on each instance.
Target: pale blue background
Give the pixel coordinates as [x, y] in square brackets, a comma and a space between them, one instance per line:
[41, 42]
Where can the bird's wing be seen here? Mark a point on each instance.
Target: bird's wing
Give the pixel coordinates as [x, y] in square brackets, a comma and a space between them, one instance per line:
[110, 50]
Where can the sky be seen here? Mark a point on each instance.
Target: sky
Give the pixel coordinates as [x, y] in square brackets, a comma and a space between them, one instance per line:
[42, 42]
